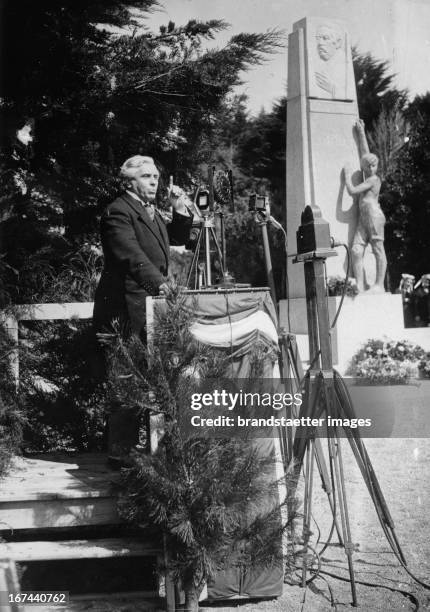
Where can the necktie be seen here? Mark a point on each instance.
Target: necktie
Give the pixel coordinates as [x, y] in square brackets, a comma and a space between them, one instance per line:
[150, 210]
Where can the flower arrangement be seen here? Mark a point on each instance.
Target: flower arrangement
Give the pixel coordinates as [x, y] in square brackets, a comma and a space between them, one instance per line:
[388, 361]
[424, 366]
[335, 285]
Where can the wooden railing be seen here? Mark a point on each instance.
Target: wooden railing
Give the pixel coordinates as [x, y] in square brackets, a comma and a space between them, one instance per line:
[9, 586]
[38, 312]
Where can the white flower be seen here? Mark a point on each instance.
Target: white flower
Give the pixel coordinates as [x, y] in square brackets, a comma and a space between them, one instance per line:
[96, 250]
[44, 385]
[20, 183]
[24, 134]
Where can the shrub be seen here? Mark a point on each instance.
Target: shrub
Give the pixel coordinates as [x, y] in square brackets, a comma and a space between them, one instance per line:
[62, 395]
[11, 417]
[69, 274]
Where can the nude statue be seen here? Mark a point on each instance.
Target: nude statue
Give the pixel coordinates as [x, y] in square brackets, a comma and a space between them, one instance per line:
[371, 219]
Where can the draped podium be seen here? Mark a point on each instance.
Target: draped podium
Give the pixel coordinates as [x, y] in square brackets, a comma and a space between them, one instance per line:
[235, 321]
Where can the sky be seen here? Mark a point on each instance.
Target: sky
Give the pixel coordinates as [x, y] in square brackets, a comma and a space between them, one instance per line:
[393, 30]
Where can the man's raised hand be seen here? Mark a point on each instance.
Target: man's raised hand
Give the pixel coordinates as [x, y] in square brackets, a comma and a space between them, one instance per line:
[178, 198]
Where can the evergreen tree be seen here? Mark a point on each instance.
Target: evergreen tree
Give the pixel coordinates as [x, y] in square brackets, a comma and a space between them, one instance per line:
[375, 88]
[12, 418]
[406, 197]
[205, 495]
[387, 138]
[92, 95]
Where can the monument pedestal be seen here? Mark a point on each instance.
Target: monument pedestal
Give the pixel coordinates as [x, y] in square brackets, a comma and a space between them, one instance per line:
[361, 318]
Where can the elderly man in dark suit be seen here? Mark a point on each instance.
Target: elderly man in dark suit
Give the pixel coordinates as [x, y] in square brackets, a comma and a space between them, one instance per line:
[135, 240]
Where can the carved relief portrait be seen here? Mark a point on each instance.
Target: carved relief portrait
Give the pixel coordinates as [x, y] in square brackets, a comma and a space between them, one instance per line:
[329, 62]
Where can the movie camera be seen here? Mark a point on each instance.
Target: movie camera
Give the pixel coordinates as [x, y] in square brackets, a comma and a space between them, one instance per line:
[210, 201]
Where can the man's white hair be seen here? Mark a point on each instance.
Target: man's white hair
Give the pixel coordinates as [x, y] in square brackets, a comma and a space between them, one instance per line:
[132, 165]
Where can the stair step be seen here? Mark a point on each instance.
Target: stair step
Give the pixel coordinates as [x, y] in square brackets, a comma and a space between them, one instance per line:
[43, 550]
[52, 477]
[52, 494]
[58, 490]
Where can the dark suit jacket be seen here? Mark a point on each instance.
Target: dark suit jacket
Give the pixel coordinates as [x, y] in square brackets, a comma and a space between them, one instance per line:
[136, 254]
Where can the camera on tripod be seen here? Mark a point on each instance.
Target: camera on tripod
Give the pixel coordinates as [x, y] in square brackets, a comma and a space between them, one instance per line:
[258, 203]
[202, 200]
[209, 204]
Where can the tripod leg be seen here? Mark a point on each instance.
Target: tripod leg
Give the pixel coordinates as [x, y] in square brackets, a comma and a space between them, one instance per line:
[311, 397]
[335, 455]
[307, 503]
[214, 238]
[195, 257]
[293, 355]
[326, 485]
[208, 257]
[325, 479]
[336, 461]
[288, 373]
[363, 461]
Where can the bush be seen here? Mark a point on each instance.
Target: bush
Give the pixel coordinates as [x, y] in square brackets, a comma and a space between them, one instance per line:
[386, 361]
[63, 272]
[11, 417]
[62, 394]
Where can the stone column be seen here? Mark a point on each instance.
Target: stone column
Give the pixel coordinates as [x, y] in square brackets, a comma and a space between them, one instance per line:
[321, 111]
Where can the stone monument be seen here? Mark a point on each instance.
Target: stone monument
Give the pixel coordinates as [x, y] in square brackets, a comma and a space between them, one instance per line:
[324, 134]
[321, 113]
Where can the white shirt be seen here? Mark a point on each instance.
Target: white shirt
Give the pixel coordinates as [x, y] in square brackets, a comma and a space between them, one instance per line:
[150, 208]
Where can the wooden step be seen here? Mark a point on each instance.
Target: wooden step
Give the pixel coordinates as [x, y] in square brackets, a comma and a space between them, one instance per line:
[77, 551]
[55, 491]
[42, 550]
[42, 559]
[131, 602]
[58, 490]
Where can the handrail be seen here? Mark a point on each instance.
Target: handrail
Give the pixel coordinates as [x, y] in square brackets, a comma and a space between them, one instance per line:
[38, 312]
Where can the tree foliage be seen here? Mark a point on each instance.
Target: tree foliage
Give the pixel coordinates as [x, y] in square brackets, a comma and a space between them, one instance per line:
[62, 393]
[92, 96]
[376, 90]
[406, 197]
[390, 121]
[12, 418]
[205, 494]
[387, 137]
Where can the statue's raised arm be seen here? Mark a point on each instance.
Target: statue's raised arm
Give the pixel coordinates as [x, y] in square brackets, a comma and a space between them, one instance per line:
[361, 135]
